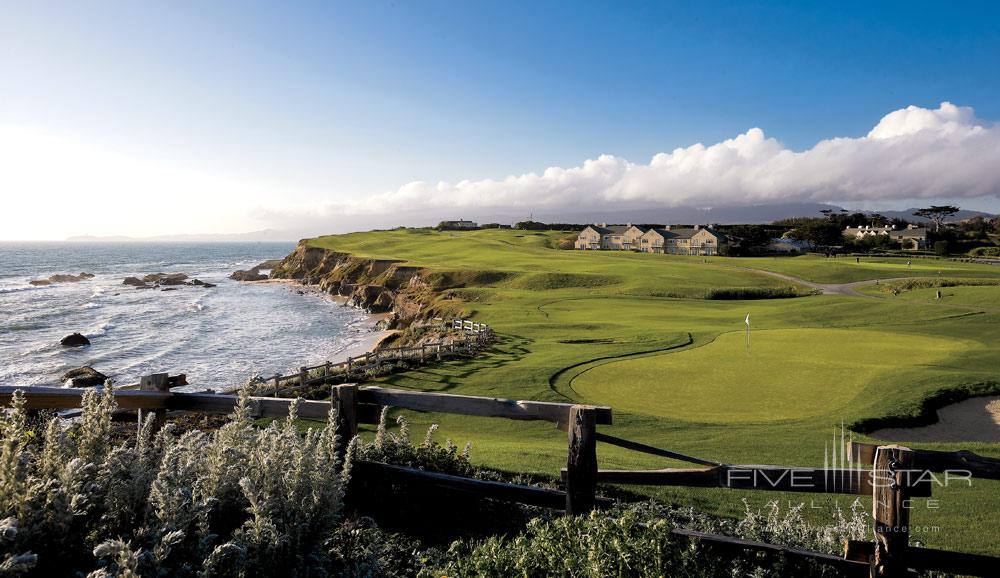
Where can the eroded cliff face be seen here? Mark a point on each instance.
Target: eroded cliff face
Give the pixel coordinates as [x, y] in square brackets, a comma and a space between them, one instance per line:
[376, 285]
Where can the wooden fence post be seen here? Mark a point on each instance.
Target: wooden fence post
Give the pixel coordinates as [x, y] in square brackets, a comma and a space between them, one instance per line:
[346, 398]
[326, 372]
[581, 463]
[890, 510]
[303, 376]
[423, 352]
[154, 382]
[277, 378]
[349, 359]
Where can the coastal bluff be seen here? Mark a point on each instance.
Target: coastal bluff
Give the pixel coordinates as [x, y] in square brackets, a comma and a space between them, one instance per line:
[376, 285]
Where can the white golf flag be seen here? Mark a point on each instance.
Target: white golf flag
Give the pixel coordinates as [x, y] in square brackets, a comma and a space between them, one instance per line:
[748, 320]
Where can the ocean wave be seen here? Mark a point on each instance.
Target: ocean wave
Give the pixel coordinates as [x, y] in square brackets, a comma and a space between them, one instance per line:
[102, 329]
[90, 305]
[20, 289]
[197, 304]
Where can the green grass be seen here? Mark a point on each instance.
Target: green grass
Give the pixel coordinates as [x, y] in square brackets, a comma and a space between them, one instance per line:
[788, 374]
[634, 331]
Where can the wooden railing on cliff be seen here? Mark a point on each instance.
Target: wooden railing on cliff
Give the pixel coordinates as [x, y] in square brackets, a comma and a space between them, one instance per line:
[896, 473]
[475, 335]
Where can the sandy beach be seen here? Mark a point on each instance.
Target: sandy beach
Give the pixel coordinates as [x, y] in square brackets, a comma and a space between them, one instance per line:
[972, 420]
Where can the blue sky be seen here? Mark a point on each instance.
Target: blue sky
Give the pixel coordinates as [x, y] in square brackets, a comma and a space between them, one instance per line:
[315, 104]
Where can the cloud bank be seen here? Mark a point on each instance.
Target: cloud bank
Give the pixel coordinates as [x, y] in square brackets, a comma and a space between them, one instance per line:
[912, 153]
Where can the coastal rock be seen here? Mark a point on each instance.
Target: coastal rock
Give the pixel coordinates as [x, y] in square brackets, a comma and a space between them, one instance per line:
[74, 340]
[134, 282]
[249, 275]
[85, 376]
[61, 278]
[200, 283]
[269, 265]
[166, 278]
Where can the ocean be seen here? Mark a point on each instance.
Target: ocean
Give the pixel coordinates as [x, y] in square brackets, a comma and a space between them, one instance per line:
[219, 337]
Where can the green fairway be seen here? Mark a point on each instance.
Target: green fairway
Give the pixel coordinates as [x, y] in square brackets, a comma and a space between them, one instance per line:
[788, 374]
[635, 332]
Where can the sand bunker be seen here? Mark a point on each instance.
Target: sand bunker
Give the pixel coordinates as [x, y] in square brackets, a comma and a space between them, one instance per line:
[973, 420]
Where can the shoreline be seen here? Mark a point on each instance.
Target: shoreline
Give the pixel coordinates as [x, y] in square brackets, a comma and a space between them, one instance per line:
[368, 342]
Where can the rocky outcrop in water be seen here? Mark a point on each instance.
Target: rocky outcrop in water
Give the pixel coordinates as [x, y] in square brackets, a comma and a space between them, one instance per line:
[165, 278]
[254, 273]
[169, 280]
[85, 376]
[74, 340]
[248, 275]
[61, 278]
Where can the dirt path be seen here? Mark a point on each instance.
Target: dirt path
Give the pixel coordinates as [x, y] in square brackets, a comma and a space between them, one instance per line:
[829, 288]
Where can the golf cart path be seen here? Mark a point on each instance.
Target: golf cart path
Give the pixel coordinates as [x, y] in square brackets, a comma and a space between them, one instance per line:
[829, 288]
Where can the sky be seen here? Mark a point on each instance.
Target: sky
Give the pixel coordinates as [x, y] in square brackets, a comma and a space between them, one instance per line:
[140, 118]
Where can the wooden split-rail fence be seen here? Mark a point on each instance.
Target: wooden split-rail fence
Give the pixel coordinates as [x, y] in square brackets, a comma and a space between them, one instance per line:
[890, 474]
[475, 335]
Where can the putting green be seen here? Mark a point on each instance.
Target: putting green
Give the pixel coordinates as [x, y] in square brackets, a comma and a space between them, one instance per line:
[789, 374]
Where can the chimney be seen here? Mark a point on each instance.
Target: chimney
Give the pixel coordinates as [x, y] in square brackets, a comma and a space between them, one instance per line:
[605, 225]
[696, 227]
[628, 225]
[667, 228]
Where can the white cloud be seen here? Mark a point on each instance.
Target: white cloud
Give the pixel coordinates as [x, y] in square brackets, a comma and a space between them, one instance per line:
[52, 186]
[912, 153]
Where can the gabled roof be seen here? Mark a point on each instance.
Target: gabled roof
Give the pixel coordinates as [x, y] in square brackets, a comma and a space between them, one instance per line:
[916, 232]
[686, 233]
[615, 229]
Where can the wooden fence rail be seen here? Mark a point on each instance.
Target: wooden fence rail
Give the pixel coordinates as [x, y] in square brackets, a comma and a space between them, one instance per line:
[362, 405]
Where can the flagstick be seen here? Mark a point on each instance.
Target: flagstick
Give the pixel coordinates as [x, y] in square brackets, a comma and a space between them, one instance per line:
[748, 339]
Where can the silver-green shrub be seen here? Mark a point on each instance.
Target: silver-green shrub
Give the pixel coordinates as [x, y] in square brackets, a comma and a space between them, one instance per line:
[242, 500]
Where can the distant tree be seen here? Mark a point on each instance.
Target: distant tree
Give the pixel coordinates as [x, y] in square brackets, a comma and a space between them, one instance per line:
[937, 214]
[941, 248]
[899, 223]
[878, 219]
[976, 226]
[820, 232]
[995, 224]
[752, 238]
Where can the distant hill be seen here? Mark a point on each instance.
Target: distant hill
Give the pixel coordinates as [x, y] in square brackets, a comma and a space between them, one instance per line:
[691, 215]
[264, 236]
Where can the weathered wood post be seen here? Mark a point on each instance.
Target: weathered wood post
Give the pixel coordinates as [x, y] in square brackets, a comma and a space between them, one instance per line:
[154, 382]
[890, 510]
[423, 352]
[303, 376]
[346, 398]
[277, 378]
[581, 463]
[327, 367]
[349, 360]
[439, 351]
